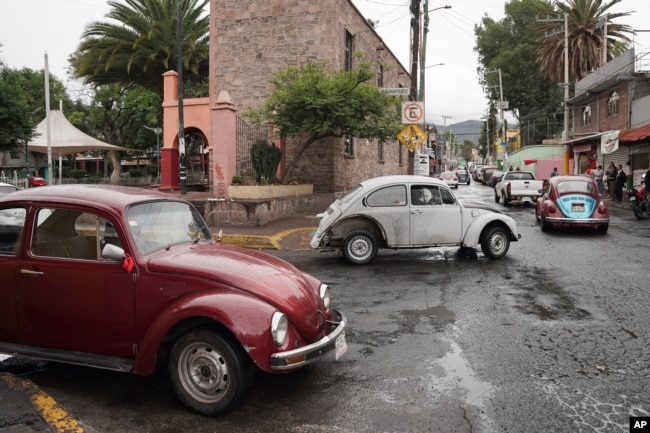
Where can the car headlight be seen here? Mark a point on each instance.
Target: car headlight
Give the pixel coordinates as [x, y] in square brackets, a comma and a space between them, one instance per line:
[325, 295]
[279, 328]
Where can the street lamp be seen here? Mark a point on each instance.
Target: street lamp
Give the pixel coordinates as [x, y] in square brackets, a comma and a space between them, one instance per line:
[431, 66]
[157, 130]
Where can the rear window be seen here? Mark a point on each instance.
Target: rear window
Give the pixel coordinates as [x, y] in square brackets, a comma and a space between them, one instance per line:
[390, 196]
[575, 186]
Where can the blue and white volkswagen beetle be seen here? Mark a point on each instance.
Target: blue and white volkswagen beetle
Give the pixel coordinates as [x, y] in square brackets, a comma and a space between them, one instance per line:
[571, 201]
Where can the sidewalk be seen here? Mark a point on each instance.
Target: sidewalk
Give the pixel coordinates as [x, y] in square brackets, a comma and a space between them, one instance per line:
[291, 233]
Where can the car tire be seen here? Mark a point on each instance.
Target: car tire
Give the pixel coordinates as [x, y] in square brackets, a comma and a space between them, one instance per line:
[544, 225]
[496, 197]
[209, 373]
[360, 247]
[495, 242]
[603, 229]
[506, 200]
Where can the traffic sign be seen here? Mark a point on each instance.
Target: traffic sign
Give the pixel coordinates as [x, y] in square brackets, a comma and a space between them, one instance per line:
[412, 112]
[395, 91]
[412, 136]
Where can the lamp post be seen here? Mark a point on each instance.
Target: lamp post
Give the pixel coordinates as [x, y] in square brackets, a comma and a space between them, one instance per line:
[157, 130]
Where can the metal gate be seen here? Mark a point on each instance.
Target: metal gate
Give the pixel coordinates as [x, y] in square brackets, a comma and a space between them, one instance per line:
[247, 135]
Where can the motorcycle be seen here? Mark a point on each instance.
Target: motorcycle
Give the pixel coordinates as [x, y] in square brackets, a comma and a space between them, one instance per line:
[640, 201]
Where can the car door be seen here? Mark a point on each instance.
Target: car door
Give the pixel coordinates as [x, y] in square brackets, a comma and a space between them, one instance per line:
[435, 216]
[70, 297]
[12, 221]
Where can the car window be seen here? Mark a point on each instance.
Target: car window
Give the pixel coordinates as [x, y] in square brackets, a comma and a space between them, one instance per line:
[394, 195]
[447, 196]
[12, 221]
[67, 233]
[159, 224]
[575, 186]
[425, 195]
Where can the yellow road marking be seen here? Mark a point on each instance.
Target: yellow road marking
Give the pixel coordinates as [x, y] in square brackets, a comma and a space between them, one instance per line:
[47, 407]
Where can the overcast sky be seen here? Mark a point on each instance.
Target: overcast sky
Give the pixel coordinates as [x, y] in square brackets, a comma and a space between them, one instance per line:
[29, 28]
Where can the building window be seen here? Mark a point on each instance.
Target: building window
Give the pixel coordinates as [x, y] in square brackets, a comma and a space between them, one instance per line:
[612, 104]
[349, 145]
[380, 76]
[586, 115]
[349, 39]
[380, 151]
[15, 155]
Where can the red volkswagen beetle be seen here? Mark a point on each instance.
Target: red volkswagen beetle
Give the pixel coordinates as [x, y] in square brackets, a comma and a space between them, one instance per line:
[128, 279]
[571, 201]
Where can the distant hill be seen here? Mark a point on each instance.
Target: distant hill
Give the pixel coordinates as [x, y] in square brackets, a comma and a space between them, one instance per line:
[467, 130]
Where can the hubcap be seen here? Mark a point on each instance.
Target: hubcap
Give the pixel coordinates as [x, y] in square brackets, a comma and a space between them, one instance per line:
[203, 372]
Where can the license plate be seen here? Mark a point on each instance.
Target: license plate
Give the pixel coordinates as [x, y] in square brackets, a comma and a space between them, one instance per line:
[340, 345]
[577, 207]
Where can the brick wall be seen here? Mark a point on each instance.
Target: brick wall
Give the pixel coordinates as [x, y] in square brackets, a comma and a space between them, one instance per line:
[252, 40]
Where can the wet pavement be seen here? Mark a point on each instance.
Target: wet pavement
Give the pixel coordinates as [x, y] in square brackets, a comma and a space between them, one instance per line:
[25, 408]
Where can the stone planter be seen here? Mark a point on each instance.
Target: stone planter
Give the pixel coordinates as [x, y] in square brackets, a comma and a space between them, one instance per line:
[262, 192]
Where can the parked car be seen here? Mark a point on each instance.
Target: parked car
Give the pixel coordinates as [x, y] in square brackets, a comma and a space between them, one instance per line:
[495, 178]
[36, 181]
[450, 178]
[463, 176]
[476, 174]
[571, 201]
[486, 173]
[410, 212]
[129, 279]
[6, 188]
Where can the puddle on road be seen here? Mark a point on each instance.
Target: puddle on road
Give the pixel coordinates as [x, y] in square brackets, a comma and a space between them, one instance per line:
[459, 374]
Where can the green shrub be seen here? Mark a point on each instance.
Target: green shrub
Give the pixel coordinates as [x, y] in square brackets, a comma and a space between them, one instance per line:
[136, 172]
[266, 159]
[237, 179]
[77, 174]
[152, 170]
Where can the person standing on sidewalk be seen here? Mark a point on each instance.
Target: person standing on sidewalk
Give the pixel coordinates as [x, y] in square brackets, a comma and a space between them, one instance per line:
[599, 179]
[621, 179]
[611, 179]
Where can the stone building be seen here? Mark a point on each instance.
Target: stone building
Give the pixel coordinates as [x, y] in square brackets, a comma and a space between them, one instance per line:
[252, 40]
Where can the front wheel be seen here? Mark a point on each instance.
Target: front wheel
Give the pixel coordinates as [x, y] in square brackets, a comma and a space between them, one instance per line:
[360, 247]
[636, 208]
[210, 374]
[495, 242]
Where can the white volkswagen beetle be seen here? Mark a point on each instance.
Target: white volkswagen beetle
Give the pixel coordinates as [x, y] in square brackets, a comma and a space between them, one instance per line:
[410, 212]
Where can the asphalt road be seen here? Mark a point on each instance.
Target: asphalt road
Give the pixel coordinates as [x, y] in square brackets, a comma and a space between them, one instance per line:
[552, 338]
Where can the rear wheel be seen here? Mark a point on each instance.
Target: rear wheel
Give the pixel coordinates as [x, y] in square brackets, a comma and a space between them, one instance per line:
[496, 197]
[360, 247]
[210, 374]
[495, 242]
[544, 225]
[603, 229]
[638, 212]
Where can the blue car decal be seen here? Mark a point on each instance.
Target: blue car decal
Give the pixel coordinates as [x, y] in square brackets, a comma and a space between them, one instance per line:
[577, 205]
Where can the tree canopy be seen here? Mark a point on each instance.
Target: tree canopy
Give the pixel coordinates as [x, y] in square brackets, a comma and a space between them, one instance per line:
[589, 24]
[142, 43]
[315, 103]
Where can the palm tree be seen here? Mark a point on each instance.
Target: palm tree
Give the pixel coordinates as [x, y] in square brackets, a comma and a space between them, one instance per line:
[141, 45]
[589, 23]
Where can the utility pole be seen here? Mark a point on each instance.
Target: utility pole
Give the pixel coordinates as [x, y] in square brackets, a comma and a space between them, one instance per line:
[446, 146]
[565, 134]
[182, 174]
[415, 47]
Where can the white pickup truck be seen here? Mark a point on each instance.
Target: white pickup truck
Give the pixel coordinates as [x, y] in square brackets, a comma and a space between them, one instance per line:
[517, 186]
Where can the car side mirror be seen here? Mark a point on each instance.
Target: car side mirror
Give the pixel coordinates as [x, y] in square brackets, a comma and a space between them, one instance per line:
[112, 252]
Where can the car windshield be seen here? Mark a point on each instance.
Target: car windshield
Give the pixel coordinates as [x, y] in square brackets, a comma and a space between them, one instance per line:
[159, 224]
[573, 186]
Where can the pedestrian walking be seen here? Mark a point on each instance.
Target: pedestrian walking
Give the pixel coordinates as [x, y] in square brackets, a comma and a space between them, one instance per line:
[554, 172]
[599, 178]
[621, 179]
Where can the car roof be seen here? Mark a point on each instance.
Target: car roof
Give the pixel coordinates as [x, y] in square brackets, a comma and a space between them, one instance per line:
[564, 178]
[404, 178]
[101, 195]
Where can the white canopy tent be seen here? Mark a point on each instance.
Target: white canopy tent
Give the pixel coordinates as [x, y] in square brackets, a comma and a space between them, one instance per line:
[65, 139]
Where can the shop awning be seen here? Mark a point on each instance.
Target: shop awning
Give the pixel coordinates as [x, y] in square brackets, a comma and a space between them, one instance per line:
[635, 135]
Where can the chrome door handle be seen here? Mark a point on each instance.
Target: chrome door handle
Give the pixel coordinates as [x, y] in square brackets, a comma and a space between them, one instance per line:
[28, 272]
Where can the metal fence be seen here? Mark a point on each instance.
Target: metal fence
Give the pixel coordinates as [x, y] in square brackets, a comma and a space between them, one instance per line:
[247, 135]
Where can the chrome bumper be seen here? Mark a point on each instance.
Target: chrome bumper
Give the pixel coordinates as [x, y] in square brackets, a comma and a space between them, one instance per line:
[295, 358]
[576, 221]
